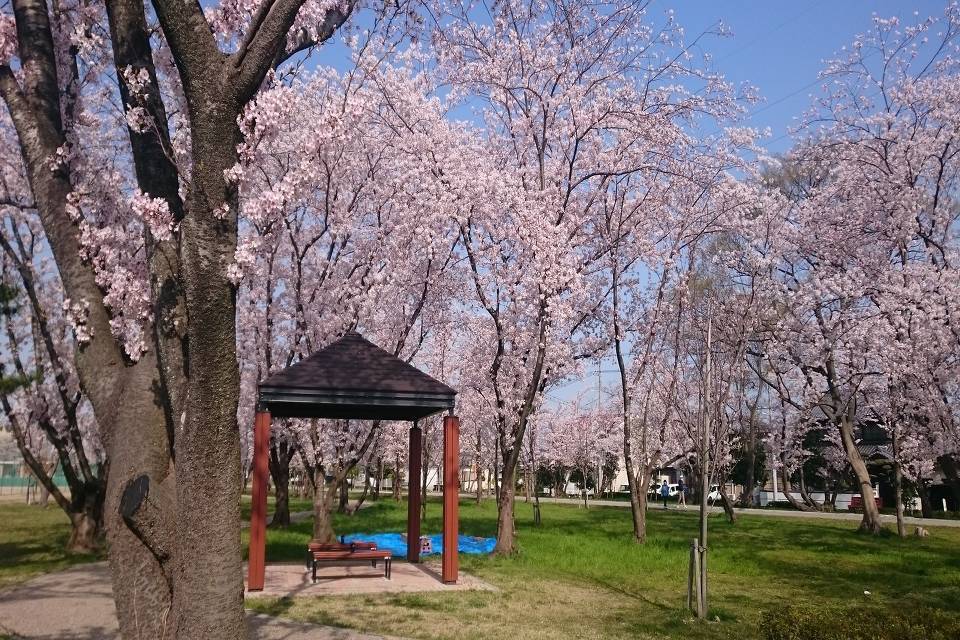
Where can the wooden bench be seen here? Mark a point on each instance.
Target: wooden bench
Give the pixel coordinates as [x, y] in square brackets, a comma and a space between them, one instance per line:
[341, 546]
[336, 546]
[348, 555]
[856, 503]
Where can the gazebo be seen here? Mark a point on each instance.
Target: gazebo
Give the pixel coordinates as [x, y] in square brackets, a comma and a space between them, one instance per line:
[353, 378]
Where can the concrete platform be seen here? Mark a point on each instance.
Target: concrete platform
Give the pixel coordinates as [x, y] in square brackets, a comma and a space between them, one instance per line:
[293, 580]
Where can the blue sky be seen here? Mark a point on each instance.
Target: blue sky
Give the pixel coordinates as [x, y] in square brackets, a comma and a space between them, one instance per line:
[779, 47]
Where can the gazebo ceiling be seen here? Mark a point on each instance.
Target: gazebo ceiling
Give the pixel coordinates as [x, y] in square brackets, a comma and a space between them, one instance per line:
[353, 378]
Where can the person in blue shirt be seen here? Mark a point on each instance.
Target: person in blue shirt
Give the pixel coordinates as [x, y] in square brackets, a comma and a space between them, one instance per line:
[665, 493]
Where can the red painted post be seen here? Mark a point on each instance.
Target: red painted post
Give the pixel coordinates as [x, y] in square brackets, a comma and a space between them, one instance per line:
[256, 555]
[413, 494]
[451, 498]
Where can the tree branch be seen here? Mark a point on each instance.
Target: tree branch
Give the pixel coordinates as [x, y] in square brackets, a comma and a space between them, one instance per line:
[264, 47]
[190, 37]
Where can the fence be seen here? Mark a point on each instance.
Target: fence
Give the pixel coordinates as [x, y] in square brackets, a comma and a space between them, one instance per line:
[16, 479]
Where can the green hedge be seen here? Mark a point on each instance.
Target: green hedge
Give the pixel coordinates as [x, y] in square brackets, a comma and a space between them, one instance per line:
[854, 623]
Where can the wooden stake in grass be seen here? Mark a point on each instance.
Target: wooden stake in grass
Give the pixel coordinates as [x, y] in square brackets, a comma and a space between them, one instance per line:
[695, 592]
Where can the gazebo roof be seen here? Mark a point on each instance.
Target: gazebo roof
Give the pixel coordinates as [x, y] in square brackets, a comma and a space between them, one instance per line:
[354, 378]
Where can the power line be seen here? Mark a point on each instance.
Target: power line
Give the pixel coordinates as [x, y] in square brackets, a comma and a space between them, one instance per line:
[768, 32]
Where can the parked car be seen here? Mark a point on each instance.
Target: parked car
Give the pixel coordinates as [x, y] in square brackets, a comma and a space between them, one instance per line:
[654, 490]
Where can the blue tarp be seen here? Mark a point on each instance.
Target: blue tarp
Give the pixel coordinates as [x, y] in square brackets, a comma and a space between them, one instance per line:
[397, 543]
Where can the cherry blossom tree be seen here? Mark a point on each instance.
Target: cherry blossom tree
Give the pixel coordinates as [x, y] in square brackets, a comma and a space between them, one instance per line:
[575, 102]
[142, 222]
[39, 393]
[579, 435]
[336, 237]
[865, 243]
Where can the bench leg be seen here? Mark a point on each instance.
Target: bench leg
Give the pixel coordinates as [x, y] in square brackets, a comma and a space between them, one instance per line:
[387, 566]
[314, 571]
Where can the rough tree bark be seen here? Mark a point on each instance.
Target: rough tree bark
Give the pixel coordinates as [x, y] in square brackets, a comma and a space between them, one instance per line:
[280, 455]
[871, 514]
[323, 498]
[726, 502]
[379, 482]
[397, 479]
[506, 539]
[191, 588]
[122, 393]
[804, 494]
[785, 489]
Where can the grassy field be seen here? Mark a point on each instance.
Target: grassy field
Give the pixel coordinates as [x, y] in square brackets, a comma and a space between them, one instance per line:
[32, 541]
[580, 576]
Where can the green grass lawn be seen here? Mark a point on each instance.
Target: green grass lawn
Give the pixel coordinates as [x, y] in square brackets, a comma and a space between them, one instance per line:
[32, 541]
[579, 575]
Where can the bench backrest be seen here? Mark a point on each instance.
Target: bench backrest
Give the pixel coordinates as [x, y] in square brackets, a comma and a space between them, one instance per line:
[347, 555]
[340, 546]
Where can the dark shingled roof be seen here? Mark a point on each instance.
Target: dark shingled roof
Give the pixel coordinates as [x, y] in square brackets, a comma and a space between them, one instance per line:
[354, 378]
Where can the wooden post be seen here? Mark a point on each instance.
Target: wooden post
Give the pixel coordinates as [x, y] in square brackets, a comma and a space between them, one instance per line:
[256, 555]
[415, 455]
[695, 591]
[451, 498]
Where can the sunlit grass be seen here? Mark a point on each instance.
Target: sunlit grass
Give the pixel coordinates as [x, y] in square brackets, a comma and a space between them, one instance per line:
[33, 541]
[580, 576]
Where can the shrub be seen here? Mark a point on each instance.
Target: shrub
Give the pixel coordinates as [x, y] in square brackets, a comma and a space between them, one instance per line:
[858, 623]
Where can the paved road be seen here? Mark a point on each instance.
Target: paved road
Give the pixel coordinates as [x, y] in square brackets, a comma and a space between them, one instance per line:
[769, 513]
[77, 604]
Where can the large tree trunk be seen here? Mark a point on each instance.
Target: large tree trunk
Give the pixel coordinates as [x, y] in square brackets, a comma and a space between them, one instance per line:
[86, 522]
[785, 489]
[376, 493]
[506, 538]
[638, 501]
[397, 479]
[209, 593]
[750, 455]
[123, 394]
[871, 514]
[280, 474]
[323, 499]
[926, 507]
[479, 471]
[898, 488]
[343, 496]
[141, 549]
[805, 495]
[727, 503]
[136, 408]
